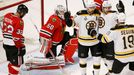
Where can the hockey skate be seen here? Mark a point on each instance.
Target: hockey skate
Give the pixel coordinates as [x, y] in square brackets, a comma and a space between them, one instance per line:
[107, 73]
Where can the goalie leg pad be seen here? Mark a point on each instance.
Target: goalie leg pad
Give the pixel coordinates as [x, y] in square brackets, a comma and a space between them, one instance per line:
[42, 65]
[70, 49]
[46, 46]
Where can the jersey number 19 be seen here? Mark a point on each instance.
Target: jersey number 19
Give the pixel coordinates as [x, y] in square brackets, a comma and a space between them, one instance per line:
[128, 41]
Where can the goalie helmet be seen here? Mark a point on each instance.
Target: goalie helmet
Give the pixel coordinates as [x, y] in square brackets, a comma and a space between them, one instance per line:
[22, 9]
[60, 10]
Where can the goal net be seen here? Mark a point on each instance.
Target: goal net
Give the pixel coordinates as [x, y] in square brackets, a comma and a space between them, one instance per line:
[32, 22]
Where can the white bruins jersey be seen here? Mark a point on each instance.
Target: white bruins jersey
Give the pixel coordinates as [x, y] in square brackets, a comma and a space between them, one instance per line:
[107, 21]
[84, 22]
[123, 37]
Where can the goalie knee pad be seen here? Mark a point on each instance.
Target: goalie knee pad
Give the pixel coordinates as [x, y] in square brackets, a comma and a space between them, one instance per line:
[70, 49]
[13, 70]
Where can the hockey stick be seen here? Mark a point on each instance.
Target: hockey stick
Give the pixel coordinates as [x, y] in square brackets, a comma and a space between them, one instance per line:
[63, 71]
[84, 3]
[34, 24]
[133, 3]
[66, 5]
[35, 28]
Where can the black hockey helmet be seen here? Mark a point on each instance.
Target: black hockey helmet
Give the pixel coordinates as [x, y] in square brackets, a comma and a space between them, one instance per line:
[22, 9]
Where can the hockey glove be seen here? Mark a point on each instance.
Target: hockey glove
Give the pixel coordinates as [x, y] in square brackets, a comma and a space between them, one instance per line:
[100, 37]
[120, 7]
[92, 32]
[21, 51]
[133, 3]
[67, 16]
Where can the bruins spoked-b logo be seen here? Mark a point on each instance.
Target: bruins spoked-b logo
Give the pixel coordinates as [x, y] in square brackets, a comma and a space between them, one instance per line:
[90, 24]
[101, 22]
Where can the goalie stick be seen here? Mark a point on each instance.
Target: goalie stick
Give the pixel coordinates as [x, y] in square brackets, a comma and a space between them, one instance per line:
[35, 28]
[66, 5]
[57, 61]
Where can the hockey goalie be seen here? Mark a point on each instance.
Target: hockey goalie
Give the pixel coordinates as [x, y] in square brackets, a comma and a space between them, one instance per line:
[53, 34]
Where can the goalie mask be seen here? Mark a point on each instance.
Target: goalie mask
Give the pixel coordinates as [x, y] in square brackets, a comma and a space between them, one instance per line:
[60, 10]
[106, 6]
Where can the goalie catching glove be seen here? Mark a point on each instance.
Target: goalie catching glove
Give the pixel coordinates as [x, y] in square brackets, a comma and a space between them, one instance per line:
[67, 16]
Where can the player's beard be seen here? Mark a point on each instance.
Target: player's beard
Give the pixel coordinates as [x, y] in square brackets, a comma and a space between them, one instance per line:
[22, 15]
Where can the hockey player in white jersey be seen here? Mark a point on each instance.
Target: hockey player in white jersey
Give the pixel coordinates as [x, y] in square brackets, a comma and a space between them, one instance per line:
[87, 21]
[123, 37]
[107, 20]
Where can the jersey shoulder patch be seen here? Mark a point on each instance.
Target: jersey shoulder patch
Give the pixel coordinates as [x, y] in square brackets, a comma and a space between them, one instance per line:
[53, 19]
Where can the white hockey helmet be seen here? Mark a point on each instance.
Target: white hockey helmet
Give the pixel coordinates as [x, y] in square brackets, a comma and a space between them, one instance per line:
[121, 17]
[91, 4]
[60, 9]
[106, 4]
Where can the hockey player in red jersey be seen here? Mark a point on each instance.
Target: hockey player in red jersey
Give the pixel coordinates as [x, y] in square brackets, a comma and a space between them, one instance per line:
[53, 32]
[13, 41]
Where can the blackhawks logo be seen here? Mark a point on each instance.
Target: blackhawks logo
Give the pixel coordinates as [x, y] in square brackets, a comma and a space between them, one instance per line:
[53, 19]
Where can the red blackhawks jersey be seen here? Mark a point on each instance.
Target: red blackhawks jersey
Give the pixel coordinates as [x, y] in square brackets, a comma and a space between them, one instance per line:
[13, 30]
[53, 29]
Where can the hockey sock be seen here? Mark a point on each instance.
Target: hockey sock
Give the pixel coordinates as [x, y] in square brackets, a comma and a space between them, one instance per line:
[96, 65]
[13, 70]
[83, 65]
[109, 64]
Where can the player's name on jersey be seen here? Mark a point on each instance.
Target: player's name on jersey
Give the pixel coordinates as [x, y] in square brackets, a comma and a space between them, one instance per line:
[124, 32]
[8, 20]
